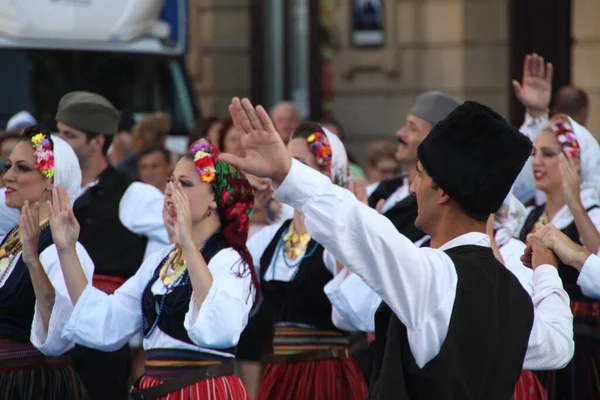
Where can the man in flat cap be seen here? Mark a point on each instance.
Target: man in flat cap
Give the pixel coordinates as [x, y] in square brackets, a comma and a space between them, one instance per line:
[118, 217]
[401, 208]
[456, 323]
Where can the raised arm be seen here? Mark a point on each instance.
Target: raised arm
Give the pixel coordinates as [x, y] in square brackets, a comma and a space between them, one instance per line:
[414, 282]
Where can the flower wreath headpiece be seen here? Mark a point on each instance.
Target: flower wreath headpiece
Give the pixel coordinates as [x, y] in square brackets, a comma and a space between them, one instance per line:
[42, 148]
[205, 158]
[565, 136]
[319, 145]
[234, 194]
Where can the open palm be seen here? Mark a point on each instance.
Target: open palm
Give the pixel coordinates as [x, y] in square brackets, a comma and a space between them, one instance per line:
[266, 155]
[63, 224]
[535, 90]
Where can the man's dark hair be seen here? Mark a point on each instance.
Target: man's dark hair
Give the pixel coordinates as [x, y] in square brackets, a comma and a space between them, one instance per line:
[156, 149]
[570, 100]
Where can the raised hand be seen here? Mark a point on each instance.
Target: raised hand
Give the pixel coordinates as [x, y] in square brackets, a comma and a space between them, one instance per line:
[569, 171]
[568, 251]
[29, 229]
[169, 222]
[63, 224]
[183, 219]
[535, 90]
[358, 187]
[266, 154]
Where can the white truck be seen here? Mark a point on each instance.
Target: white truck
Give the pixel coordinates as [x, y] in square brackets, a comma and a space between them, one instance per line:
[130, 51]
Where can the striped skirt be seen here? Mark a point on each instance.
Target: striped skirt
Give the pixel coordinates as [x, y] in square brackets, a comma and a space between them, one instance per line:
[529, 388]
[580, 379]
[325, 379]
[163, 364]
[26, 374]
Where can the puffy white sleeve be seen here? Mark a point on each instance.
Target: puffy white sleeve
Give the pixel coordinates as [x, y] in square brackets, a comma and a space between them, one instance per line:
[353, 303]
[551, 344]
[220, 320]
[107, 322]
[50, 341]
[140, 211]
[524, 186]
[589, 277]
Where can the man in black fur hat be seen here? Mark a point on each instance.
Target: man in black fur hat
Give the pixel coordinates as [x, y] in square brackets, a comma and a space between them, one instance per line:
[455, 323]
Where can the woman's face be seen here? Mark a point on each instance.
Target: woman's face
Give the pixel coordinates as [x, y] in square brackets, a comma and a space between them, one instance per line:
[233, 143]
[23, 181]
[200, 194]
[546, 162]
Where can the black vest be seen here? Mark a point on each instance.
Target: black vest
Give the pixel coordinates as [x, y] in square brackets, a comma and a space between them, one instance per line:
[482, 355]
[384, 190]
[114, 249]
[301, 300]
[403, 215]
[177, 303]
[568, 274]
[17, 298]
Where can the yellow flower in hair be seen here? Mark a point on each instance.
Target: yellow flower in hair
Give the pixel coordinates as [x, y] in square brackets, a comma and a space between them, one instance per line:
[37, 138]
[311, 138]
[208, 176]
[200, 154]
[48, 173]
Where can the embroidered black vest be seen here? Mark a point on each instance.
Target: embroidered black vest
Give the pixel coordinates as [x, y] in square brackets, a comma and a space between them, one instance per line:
[177, 302]
[301, 300]
[17, 298]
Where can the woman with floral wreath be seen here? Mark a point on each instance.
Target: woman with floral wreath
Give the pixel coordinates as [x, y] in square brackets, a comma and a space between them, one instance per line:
[191, 300]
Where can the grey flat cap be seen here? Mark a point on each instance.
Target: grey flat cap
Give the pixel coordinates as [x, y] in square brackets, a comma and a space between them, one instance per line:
[88, 112]
[433, 106]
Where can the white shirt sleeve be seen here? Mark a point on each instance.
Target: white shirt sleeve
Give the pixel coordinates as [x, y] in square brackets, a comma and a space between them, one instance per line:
[419, 285]
[107, 322]
[9, 217]
[551, 343]
[140, 211]
[353, 303]
[50, 341]
[223, 315]
[589, 277]
[511, 253]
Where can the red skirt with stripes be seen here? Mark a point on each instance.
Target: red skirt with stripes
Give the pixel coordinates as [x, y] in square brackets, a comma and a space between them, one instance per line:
[334, 379]
[220, 388]
[529, 388]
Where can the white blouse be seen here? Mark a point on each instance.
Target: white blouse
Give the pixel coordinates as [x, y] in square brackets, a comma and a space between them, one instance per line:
[589, 277]
[107, 322]
[49, 341]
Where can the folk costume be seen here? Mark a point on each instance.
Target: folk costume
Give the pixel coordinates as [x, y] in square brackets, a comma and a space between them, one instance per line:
[579, 380]
[307, 356]
[189, 348]
[439, 302]
[128, 216]
[33, 358]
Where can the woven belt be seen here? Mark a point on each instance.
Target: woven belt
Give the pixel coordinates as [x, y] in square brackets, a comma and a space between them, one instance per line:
[172, 385]
[107, 283]
[316, 355]
[32, 360]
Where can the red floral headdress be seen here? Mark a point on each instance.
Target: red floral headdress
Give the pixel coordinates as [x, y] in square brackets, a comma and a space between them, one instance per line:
[320, 147]
[563, 130]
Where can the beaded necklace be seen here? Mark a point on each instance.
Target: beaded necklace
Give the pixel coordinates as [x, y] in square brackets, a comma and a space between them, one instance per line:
[280, 252]
[171, 283]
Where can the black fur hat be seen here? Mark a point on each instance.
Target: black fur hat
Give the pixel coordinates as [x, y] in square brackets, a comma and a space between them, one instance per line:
[475, 155]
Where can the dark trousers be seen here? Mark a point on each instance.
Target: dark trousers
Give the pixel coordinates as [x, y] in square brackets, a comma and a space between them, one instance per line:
[105, 375]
